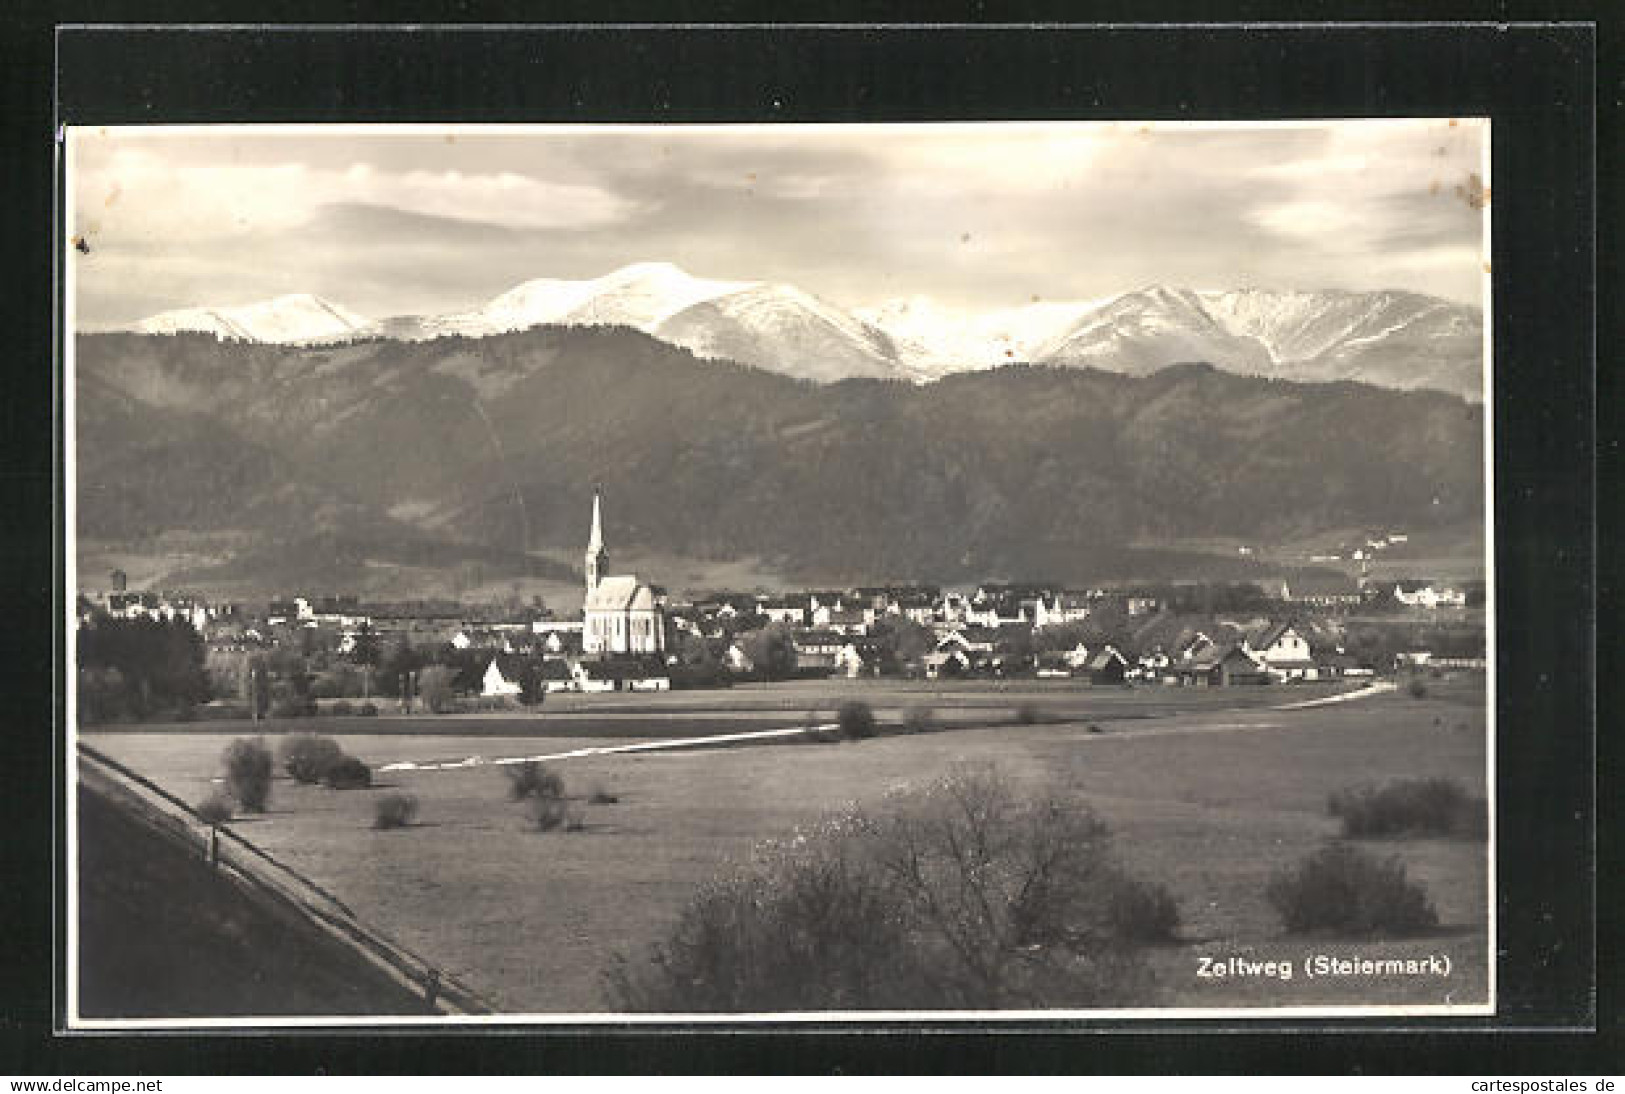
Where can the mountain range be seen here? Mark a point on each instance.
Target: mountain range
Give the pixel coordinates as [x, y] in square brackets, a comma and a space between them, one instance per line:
[363, 465]
[1400, 340]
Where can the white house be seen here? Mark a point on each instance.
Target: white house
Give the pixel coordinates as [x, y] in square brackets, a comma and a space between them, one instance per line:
[1283, 652]
[1429, 596]
[856, 659]
[736, 660]
[496, 682]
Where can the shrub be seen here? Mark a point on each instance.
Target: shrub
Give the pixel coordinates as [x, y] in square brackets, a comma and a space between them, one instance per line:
[348, 773]
[1405, 807]
[542, 791]
[215, 809]
[600, 796]
[1416, 688]
[1093, 728]
[1028, 714]
[956, 895]
[547, 813]
[394, 811]
[1145, 912]
[1342, 888]
[435, 687]
[919, 719]
[533, 780]
[368, 710]
[856, 720]
[248, 773]
[343, 708]
[306, 757]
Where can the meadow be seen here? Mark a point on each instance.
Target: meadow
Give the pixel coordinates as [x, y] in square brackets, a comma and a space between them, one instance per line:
[1208, 792]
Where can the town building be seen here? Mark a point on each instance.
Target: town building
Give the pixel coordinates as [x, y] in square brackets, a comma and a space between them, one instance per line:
[621, 614]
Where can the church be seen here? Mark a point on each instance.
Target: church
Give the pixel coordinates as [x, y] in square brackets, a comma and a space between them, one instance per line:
[621, 614]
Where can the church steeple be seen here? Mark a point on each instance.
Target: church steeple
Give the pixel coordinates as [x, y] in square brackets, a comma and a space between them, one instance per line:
[597, 554]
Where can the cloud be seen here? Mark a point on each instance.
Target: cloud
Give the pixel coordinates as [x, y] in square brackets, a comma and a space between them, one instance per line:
[138, 194]
[979, 216]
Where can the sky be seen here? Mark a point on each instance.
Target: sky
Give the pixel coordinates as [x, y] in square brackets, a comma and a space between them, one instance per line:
[386, 221]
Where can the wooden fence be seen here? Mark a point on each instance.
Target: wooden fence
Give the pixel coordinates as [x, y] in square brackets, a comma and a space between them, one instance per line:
[262, 874]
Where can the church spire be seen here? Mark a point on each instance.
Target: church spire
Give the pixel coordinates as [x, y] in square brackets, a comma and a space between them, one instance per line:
[595, 541]
[597, 555]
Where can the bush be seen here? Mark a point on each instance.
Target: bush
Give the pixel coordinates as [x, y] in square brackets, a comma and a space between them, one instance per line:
[306, 757]
[548, 813]
[1145, 912]
[1407, 807]
[956, 895]
[368, 710]
[343, 708]
[600, 796]
[435, 687]
[533, 780]
[1028, 714]
[348, 773]
[542, 791]
[248, 773]
[215, 809]
[1342, 888]
[1417, 689]
[394, 811]
[919, 719]
[856, 720]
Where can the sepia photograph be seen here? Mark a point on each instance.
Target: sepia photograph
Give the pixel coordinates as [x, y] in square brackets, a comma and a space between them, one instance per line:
[589, 573]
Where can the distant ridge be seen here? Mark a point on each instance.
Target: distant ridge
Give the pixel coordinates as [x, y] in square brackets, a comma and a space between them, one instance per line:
[384, 461]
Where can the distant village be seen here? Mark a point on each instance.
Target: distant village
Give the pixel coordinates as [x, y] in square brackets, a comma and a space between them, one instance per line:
[632, 636]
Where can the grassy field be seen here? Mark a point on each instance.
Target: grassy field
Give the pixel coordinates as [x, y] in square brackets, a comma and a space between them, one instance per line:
[665, 714]
[1209, 792]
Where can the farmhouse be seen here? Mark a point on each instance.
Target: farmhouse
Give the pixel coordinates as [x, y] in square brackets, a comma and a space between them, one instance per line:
[1108, 666]
[858, 658]
[1221, 666]
[946, 662]
[502, 676]
[817, 649]
[1283, 652]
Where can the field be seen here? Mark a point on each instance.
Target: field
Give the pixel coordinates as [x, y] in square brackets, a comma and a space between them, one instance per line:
[1207, 791]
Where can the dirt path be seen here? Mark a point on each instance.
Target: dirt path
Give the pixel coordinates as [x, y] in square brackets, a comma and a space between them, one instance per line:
[795, 731]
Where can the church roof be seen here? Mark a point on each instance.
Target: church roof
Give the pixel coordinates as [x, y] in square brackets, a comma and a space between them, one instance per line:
[619, 594]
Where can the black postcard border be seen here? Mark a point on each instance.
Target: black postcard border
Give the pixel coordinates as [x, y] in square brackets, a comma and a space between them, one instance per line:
[1536, 83]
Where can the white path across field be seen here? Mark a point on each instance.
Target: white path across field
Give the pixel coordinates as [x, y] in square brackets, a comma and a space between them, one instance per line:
[578, 753]
[795, 731]
[1362, 693]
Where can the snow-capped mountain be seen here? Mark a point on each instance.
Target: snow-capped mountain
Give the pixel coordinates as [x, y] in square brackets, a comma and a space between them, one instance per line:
[1393, 339]
[641, 295]
[932, 341]
[1141, 332]
[782, 329]
[296, 318]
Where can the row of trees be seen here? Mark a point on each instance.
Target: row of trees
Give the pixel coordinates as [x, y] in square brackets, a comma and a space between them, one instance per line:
[139, 668]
